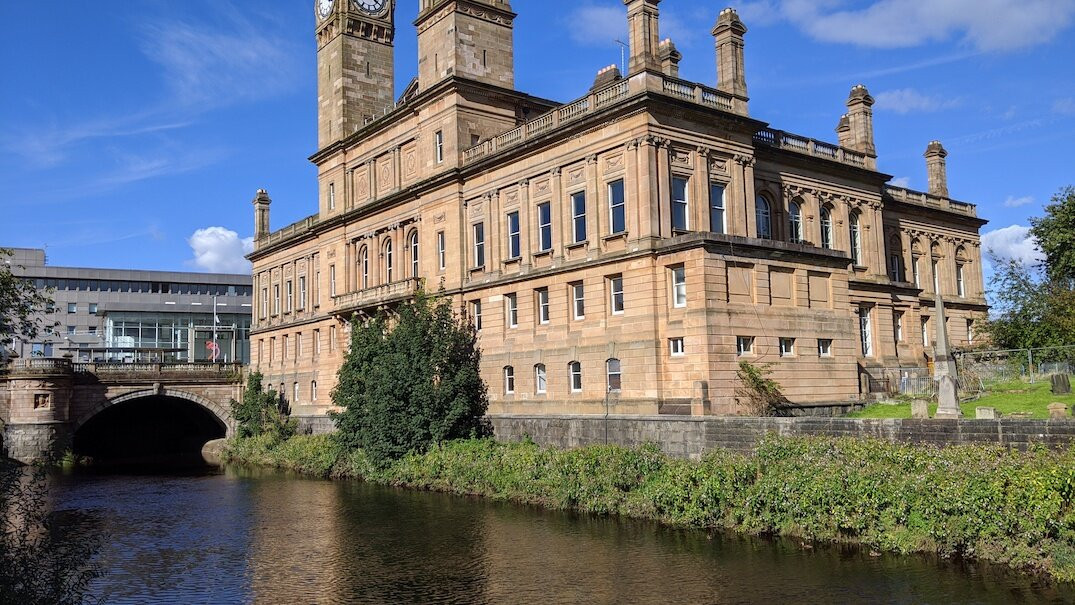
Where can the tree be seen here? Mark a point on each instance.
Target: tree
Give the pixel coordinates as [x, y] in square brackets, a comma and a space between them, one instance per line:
[22, 305]
[1055, 234]
[1030, 311]
[261, 412]
[410, 380]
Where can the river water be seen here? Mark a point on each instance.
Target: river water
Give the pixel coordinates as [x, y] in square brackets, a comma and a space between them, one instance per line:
[250, 536]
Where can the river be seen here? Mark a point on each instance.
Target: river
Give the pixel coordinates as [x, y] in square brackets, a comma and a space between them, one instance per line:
[251, 536]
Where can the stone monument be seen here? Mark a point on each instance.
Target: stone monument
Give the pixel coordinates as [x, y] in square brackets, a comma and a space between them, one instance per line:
[1061, 384]
[944, 369]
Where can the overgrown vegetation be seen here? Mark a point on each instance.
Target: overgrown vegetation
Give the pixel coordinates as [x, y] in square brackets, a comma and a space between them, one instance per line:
[22, 305]
[40, 561]
[1000, 505]
[261, 412]
[410, 380]
[756, 393]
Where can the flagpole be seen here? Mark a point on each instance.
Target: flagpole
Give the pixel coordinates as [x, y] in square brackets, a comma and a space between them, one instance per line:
[215, 320]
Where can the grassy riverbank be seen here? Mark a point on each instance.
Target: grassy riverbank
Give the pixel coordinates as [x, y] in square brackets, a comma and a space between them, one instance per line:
[983, 502]
[1016, 397]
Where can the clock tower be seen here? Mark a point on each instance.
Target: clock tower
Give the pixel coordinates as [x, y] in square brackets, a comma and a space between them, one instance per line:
[355, 79]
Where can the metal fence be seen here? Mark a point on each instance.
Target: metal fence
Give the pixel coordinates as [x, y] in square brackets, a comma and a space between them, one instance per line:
[1017, 364]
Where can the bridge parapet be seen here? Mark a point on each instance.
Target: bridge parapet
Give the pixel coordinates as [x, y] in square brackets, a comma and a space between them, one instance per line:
[39, 366]
[161, 372]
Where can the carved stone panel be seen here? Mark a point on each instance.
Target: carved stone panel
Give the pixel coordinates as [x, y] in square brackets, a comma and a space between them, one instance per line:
[576, 175]
[614, 163]
[410, 162]
[362, 184]
[385, 174]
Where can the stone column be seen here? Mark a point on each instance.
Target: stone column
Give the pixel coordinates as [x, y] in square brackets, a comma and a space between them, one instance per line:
[649, 214]
[699, 199]
[632, 210]
[596, 228]
[663, 184]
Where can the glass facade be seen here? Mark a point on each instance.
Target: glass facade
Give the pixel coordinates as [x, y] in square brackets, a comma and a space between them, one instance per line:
[175, 337]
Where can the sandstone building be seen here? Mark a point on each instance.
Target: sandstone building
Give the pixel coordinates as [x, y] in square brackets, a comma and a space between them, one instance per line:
[620, 252]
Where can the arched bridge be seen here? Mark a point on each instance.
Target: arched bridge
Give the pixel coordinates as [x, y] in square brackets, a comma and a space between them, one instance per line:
[114, 410]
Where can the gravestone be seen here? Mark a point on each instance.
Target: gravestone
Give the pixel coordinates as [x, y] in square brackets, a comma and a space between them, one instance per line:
[1057, 411]
[919, 408]
[1061, 384]
[944, 368]
[985, 413]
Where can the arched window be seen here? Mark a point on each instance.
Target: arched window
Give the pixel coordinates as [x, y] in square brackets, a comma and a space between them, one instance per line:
[795, 223]
[313, 391]
[364, 266]
[826, 228]
[574, 371]
[856, 239]
[541, 381]
[296, 389]
[388, 262]
[612, 368]
[916, 268]
[509, 380]
[762, 218]
[935, 266]
[414, 254]
[895, 258]
[961, 262]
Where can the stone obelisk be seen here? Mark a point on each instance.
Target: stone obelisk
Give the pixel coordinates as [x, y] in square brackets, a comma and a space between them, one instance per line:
[944, 368]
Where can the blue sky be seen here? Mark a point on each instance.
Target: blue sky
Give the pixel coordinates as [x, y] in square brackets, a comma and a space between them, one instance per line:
[134, 134]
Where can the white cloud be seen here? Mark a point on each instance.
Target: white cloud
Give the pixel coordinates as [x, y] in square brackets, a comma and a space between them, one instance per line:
[598, 25]
[903, 181]
[909, 100]
[988, 25]
[1015, 202]
[1015, 243]
[1065, 107]
[220, 250]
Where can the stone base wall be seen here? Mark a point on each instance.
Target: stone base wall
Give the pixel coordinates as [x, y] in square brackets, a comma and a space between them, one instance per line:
[29, 443]
[315, 425]
[692, 437]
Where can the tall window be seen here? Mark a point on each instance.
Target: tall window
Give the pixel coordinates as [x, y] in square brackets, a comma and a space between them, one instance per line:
[442, 251]
[541, 380]
[679, 286]
[512, 302]
[298, 345]
[762, 217]
[578, 216]
[787, 347]
[389, 262]
[317, 342]
[332, 280]
[617, 209]
[364, 267]
[795, 223]
[856, 239]
[865, 331]
[276, 299]
[438, 145]
[514, 241]
[925, 331]
[476, 313]
[916, 272]
[414, 254]
[680, 205]
[935, 268]
[543, 305]
[479, 244]
[332, 196]
[615, 293]
[894, 263]
[544, 212]
[290, 296]
[302, 292]
[897, 325]
[716, 208]
[612, 370]
[970, 331]
[960, 287]
[578, 301]
[574, 371]
[826, 228]
[295, 388]
[317, 289]
[509, 380]
[285, 344]
[313, 391]
[264, 303]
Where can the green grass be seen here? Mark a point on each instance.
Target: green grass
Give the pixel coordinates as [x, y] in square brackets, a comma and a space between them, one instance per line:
[1008, 398]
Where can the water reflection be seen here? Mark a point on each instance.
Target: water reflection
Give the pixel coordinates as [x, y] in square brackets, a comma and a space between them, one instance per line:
[261, 537]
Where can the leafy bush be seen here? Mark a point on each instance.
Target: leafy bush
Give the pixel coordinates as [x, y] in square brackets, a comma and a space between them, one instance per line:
[261, 412]
[411, 380]
[758, 394]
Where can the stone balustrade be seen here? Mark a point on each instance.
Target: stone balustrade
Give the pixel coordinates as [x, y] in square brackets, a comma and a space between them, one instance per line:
[919, 198]
[812, 147]
[372, 297]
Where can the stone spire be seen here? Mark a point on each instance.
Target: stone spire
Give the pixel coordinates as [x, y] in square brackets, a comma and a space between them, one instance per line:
[729, 32]
[944, 367]
[937, 169]
[261, 214]
[643, 35]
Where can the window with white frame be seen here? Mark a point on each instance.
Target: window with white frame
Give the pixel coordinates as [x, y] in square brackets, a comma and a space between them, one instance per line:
[264, 303]
[574, 371]
[617, 208]
[855, 232]
[512, 310]
[866, 331]
[543, 305]
[276, 299]
[332, 338]
[332, 196]
[676, 347]
[916, 273]
[509, 380]
[302, 292]
[824, 347]
[317, 342]
[615, 294]
[476, 313]
[298, 345]
[290, 300]
[744, 345]
[364, 267]
[578, 216]
[680, 204]
[795, 223]
[578, 301]
[961, 290]
[716, 208]
[544, 212]
[438, 146]
[414, 254]
[514, 238]
[897, 325]
[317, 289]
[679, 287]
[479, 245]
[332, 280]
[935, 268]
[442, 251]
[826, 228]
[541, 381]
[72, 307]
[285, 345]
[763, 218]
[295, 389]
[389, 263]
[612, 371]
[787, 347]
[313, 391]
[970, 330]
[925, 331]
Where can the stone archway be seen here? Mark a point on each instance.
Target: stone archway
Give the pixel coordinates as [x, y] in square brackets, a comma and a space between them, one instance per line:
[221, 413]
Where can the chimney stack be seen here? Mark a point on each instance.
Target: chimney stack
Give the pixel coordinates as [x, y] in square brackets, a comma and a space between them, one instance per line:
[860, 117]
[261, 214]
[729, 31]
[644, 34]
[843, 132]
[670, 58]
[937, 169]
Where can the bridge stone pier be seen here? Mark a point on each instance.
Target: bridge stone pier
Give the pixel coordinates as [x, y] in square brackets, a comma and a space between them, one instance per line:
[46, 403]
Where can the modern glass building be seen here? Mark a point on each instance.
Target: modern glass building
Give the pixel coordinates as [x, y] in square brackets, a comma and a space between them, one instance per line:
[127, 316]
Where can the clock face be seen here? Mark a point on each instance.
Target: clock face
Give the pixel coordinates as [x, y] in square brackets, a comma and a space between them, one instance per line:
[324, 7]
[371, 6]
